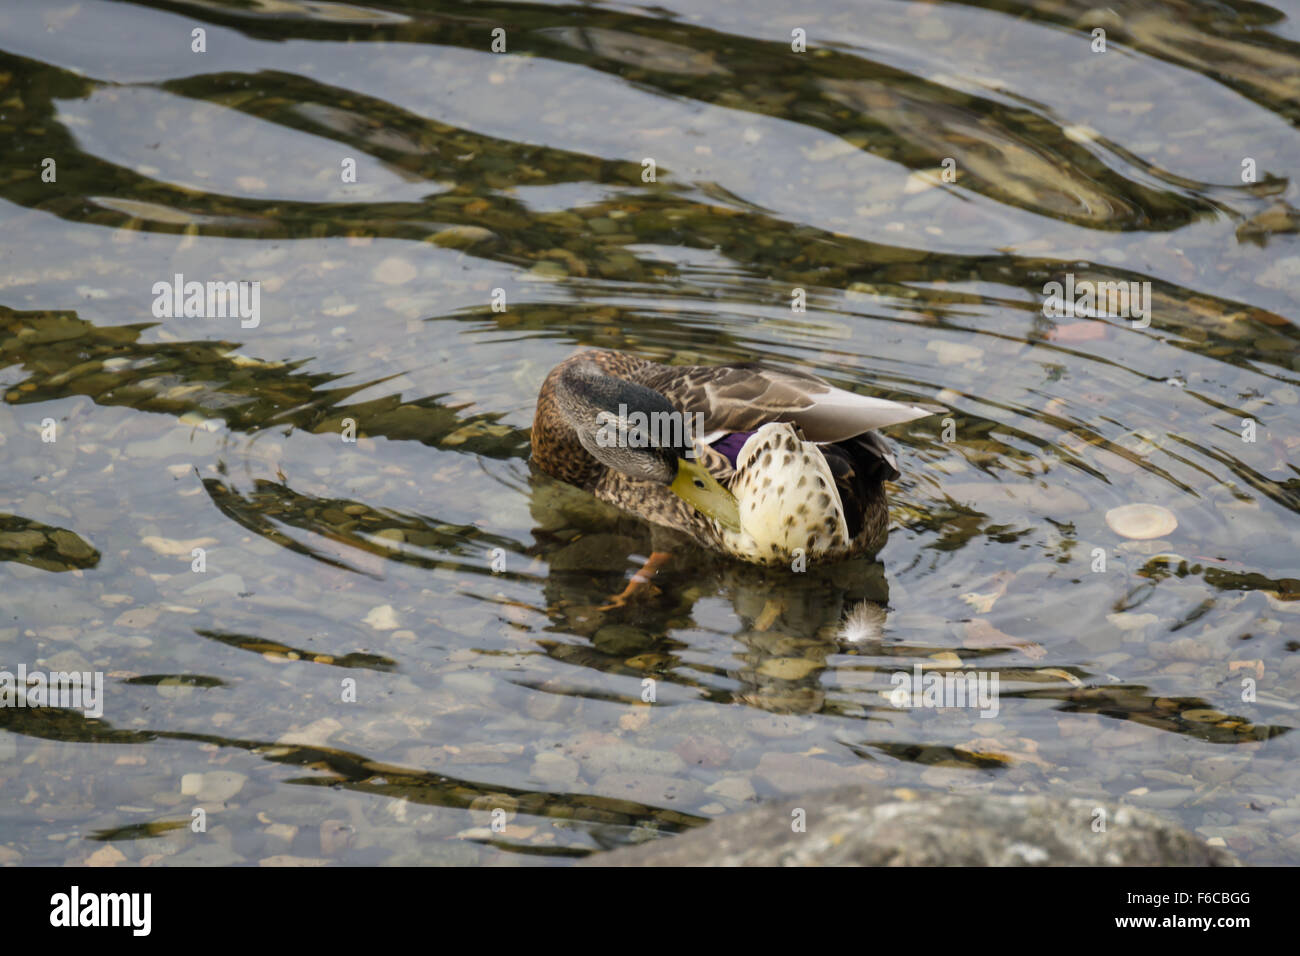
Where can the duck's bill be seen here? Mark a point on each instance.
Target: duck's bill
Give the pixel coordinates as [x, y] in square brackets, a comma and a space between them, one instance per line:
[695, 486]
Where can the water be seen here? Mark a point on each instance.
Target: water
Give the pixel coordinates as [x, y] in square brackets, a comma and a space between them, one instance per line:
[392, 638]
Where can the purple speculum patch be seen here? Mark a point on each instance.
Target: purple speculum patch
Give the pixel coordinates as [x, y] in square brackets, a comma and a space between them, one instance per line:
[731, 444]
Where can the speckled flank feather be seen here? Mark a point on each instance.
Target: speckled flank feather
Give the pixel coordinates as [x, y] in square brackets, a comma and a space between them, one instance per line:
[788, 501]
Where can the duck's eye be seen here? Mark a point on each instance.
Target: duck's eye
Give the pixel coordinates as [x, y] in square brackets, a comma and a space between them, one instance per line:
[699, 484]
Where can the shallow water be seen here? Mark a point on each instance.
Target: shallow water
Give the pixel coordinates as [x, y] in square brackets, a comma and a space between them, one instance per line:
[395, 636]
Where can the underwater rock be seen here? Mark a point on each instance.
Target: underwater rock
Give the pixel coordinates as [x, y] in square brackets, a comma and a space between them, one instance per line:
[1141, 522]
[215, 786]
[871, 826]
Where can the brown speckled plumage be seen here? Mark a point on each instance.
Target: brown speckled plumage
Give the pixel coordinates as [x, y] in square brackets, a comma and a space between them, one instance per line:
[556, 449]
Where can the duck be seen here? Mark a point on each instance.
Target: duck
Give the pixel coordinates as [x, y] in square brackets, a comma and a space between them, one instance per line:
[772, 466]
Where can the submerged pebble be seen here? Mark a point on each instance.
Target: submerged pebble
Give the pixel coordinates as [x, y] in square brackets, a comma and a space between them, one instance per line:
[1141, 521]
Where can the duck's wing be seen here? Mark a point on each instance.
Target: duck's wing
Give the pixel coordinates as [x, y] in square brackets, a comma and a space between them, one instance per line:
[740, 398]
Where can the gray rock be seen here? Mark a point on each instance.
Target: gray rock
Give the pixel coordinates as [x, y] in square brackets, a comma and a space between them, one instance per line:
[626, 758]
[622, 640]
[208, 854]
[215, 786]
[872, 826]
[226, 583]
[555, 768]
[651, 788]
[22, 540]
[71, 545]
[66, 662]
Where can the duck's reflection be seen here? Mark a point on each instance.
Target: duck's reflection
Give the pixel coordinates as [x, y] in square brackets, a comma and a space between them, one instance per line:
[790, 622]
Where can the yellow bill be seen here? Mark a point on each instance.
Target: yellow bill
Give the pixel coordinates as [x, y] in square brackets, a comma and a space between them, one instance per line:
[695, 486]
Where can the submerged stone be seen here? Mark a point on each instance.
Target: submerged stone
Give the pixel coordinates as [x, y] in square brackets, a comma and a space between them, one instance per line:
[870, 826]
[1141, 522]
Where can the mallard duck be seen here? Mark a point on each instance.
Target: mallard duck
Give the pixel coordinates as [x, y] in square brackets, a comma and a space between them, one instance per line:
[768, 465]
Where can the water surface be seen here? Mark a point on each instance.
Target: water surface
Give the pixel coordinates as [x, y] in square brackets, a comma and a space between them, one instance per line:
[394, 636]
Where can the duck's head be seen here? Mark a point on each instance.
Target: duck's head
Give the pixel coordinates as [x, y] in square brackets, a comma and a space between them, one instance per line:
[637, 432]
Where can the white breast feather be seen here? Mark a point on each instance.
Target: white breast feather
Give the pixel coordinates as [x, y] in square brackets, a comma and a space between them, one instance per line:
[786, 495]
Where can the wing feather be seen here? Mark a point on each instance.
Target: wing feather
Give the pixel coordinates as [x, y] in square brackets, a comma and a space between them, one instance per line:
[737, 398]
